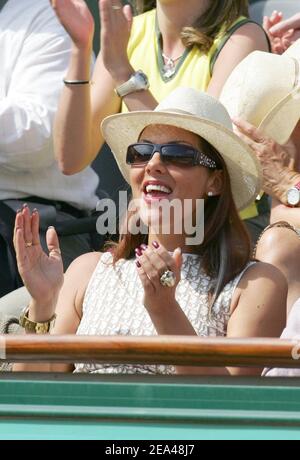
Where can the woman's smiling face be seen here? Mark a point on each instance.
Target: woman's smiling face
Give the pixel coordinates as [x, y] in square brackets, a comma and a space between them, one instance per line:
[156, 180]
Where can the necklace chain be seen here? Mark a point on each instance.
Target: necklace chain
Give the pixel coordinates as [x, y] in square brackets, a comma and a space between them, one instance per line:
[170, 65]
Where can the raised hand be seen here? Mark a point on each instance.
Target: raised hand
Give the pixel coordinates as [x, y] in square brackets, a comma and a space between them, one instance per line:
[77, 19]
[152, 263]
[42, 274]
[116, 23]
[282, 33]
[276, 160]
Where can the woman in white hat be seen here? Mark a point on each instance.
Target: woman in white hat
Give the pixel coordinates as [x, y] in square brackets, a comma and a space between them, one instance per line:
[162, 282]
[174, 43]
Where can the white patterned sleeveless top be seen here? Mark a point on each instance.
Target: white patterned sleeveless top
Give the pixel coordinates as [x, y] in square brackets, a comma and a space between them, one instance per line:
[113, 305]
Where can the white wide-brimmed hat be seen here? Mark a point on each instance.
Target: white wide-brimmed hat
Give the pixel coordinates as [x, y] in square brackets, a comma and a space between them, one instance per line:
[201, 114]
[264, 89]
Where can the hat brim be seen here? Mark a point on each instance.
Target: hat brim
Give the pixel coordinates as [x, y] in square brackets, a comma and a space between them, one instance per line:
[244, 170]
[281, 121]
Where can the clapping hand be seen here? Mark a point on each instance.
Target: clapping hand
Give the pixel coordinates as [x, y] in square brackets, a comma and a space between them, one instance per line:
[77, 19]
[275, 160]
[153, 262]
[42, 274]
[116, 21]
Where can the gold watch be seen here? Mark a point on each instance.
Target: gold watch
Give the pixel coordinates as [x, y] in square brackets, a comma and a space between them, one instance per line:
[33, 326]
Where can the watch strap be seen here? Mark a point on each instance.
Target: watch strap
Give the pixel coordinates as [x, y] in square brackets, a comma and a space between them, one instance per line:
[138, 81]
[126, 88]
[35, 327]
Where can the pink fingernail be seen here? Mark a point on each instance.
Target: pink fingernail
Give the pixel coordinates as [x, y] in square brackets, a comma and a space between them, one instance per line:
[155, 244]
[138, 264]
[138, 252]
[143, 247]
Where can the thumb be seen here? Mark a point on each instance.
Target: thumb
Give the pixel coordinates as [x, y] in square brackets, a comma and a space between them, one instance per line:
[177, 256]
[52, 242]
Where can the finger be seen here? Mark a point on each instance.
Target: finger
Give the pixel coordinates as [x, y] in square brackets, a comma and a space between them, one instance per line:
[35, 227]
[177, 256]
[18, 224]
[53, 243]
[276, 17]
[20, 247]
[105, 13]
[152, 265]
[255, 146]
[27, 224]
[289, 33]
[146, 282]
[169, 261]
[249, 130]
[281, 27]
[128, 15]
[267, 23]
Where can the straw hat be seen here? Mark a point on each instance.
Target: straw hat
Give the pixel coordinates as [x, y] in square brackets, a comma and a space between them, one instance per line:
[264, 89]
[201, 114]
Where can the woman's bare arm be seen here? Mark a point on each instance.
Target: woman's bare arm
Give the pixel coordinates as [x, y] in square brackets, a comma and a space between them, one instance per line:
[258, 307]
[249, 37]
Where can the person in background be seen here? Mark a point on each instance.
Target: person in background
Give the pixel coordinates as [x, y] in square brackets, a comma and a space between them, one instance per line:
[163, 282]
[292, 331]
[193, 43]
[35, 51]
[266, 113]
[282, 32]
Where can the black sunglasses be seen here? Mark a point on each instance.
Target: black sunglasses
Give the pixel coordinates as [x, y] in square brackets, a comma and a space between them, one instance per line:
[181, 154]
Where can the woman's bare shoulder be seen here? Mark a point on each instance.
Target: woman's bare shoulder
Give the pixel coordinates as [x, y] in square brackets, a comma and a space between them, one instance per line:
[260, 272]
[85, 262]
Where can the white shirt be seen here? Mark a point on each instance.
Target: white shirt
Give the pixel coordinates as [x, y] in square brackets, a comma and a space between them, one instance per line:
[113, 305]
[34, 55]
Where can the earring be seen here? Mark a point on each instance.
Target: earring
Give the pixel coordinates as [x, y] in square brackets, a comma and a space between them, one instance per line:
[210, 194]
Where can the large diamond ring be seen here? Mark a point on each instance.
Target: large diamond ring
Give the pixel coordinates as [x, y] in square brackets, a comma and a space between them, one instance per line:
[168, 279]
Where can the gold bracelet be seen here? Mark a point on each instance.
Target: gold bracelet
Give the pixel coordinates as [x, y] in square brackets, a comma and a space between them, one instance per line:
[35, 327]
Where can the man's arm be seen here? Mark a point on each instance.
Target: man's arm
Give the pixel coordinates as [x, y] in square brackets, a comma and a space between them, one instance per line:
[28, 106]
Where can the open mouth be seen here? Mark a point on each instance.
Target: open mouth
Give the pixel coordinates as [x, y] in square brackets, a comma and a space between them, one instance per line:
[156, 191]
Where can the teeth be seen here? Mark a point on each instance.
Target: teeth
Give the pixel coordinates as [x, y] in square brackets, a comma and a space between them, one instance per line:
[157, 188]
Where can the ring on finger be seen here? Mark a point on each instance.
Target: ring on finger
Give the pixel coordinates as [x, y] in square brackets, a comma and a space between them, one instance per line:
[28, 244]
[168, 279]
[55, 251]
[116, 7]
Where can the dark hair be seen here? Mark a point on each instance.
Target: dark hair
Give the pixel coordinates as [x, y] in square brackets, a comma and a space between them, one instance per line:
[218, 18]
[226, 246]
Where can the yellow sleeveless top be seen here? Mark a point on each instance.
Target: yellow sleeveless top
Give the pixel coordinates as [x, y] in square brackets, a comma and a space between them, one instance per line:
[193, 69]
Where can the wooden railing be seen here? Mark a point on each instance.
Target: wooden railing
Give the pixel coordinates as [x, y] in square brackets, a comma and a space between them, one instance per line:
[179, 350]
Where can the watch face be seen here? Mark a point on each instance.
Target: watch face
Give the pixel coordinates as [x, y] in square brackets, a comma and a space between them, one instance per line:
[293, 196]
